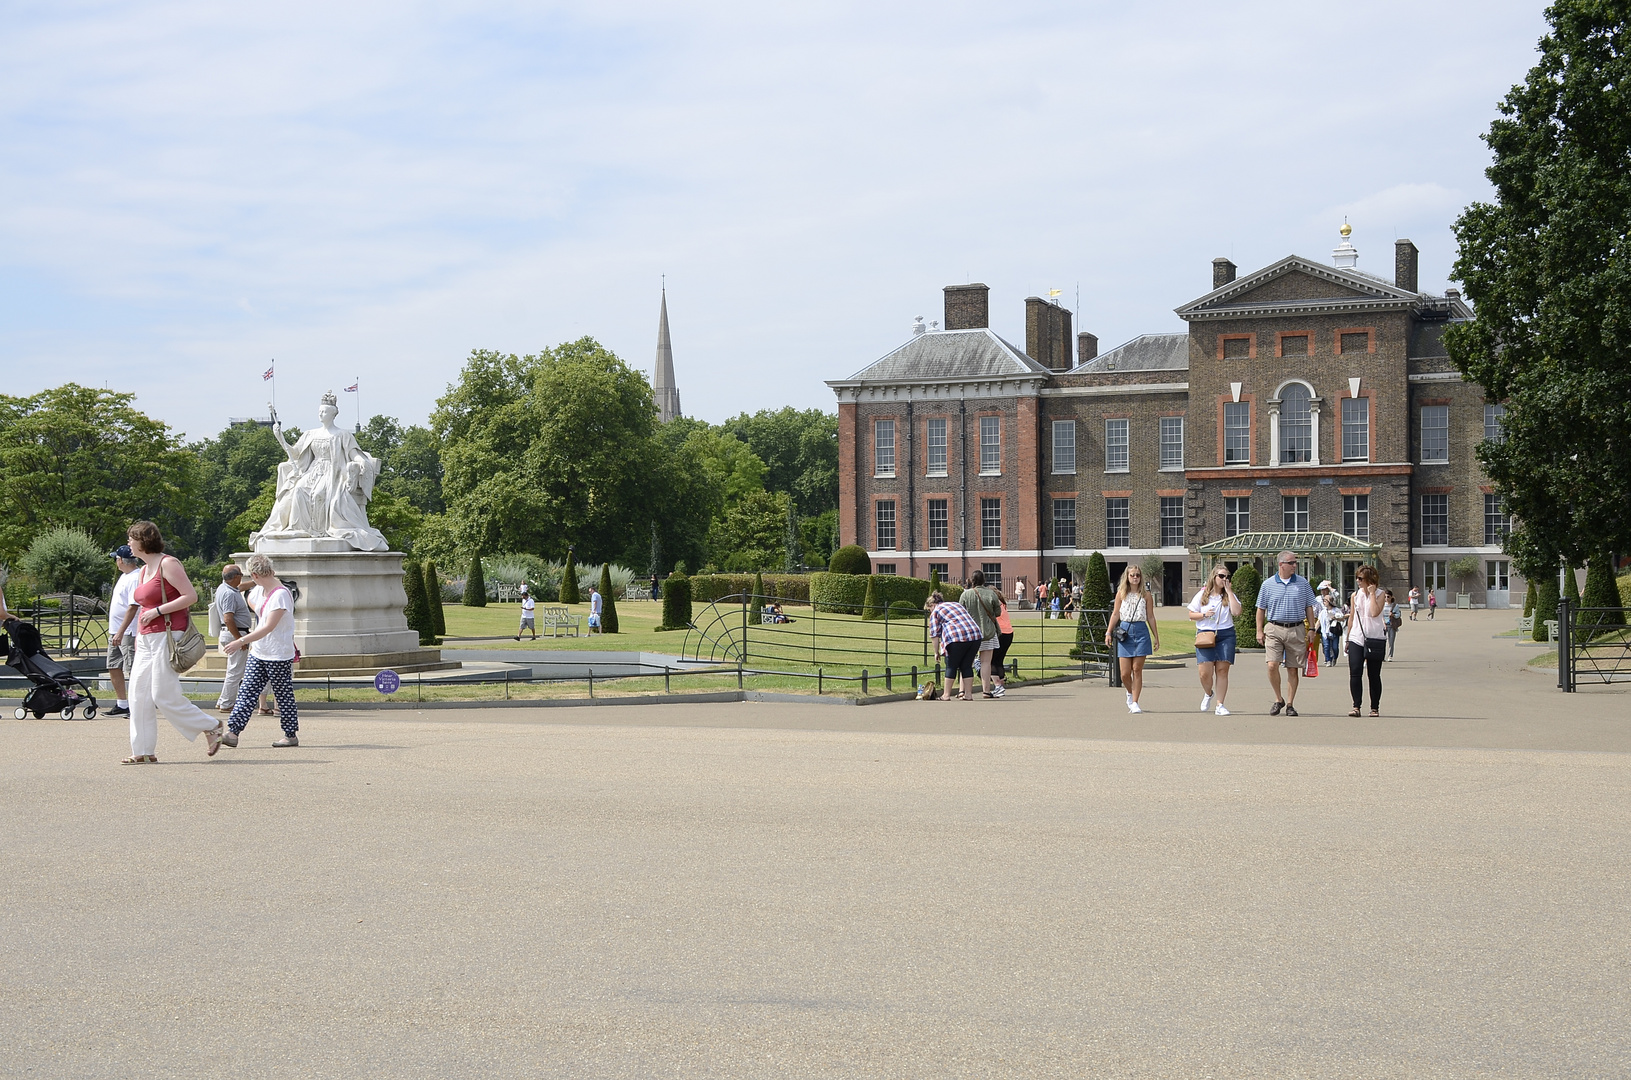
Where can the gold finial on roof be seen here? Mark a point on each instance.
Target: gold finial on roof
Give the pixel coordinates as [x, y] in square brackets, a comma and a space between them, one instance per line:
[1346, 230]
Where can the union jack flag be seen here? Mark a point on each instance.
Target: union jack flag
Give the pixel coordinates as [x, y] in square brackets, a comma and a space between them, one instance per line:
[352, 389]
[268, 374]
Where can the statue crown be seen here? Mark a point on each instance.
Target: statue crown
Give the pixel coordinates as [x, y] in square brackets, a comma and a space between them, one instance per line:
[330, 399]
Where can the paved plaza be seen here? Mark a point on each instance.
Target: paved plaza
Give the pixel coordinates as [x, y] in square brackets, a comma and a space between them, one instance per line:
[1041, 886]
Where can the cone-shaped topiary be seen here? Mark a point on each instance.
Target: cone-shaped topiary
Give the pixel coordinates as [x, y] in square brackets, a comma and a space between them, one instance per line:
[569, 581]
[677, 600]
[1546, 598]
[475, 584]
[608, 602]
[417, 609]
[433, 595]
[850, 560]
[1096, 600]
[1528, 599]
[934, 580]
[1602, 592]
[1246, 582]
[871, 606]
[758, 604]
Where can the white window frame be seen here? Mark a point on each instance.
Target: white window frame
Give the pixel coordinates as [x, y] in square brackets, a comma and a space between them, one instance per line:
[936, 439]
[990, 511]
[1444, 524]
[1441, 442]
[1242, 515]
[1169, 502]
[1070, 518]
[1296, 430]
[886, 510]
[990, 446]
[1125, 519]
[1172, 443]
[1294, 508]
[1494, 419]
[1064, 448]
[883, 448]
[1244, 409]
[1360, 427]
[1356, 516]
[1118, 445]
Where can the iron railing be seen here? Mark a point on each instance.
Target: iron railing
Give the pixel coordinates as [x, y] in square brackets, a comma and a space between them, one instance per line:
[1592, 643]
[73, 625]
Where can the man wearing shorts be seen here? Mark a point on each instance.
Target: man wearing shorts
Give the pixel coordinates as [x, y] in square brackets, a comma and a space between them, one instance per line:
[957, 635]
[529, 608]
[121, 651]
[1286, 615]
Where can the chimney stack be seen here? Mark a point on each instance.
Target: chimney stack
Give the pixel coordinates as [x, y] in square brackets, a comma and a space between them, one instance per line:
[1404, 265]
[1087, 347]
[1047, 334]
[1223, 272]
[968, 307]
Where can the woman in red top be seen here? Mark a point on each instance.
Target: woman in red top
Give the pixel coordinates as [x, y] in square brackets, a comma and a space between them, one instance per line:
[163, 595]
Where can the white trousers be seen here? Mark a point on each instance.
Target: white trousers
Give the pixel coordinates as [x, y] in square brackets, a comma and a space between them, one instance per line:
[236, 662]
[154, 685]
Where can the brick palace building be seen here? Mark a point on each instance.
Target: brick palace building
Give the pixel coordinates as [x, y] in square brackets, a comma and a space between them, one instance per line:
[1304, 398]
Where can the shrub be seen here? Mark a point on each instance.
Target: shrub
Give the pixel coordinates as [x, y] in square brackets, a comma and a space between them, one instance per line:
[608, 601]
[841, 593]
[1463, 568]
[1246, 582]
[433, 596]
[850, 560]
[1602, 592]
[569, 580]
[905, 609]
[886, 590]
[1528, 599]
[1546, 598]
[417, 609]
[475, 584]
[758, 599]
[934, 580]
[67, 560]
[676, 601]
[950, 590]
[1096, 600]
[1624, 583]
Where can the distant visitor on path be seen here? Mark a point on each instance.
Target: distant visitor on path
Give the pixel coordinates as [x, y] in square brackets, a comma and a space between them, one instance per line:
[529, 609]
[1287, 615]
[121, 649]
[596, 604]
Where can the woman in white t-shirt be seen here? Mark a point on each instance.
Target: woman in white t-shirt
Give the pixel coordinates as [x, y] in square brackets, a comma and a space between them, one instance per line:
[1215, 609]
[271, 654]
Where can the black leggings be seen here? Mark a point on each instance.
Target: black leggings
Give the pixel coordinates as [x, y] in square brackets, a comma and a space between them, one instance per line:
[1003, 641]
[1364, 659]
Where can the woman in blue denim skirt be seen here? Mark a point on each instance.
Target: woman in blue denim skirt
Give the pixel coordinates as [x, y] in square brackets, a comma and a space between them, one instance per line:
[1214, 611]
[1140, 638]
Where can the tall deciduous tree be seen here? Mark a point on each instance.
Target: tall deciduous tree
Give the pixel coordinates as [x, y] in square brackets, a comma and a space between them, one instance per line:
[1548, 268]
[88, 459]
[800, 452]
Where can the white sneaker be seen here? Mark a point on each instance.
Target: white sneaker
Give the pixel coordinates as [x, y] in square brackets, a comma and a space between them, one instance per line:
[1206, 702]
[1129, 699]
[1132, 706]
[1221, 711]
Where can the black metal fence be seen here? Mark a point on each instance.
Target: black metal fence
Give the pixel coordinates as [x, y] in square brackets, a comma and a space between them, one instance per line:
[741, 629]
[1592, 644]
[70, 624]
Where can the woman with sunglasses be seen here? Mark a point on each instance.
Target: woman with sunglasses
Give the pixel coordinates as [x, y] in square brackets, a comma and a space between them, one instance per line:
[1213, 611]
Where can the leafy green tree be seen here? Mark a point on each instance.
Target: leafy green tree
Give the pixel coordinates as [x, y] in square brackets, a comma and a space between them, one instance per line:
[234, 468]
[751, 533]
[433, 595]
[410, 462]
[1547, 267]
[800, 452]
[64, 560]
[85, 458]
[475, 584]
[818, 537]
[569, 580]
[608, 601]
[1467, 566]
[418, 607]
[794, 557]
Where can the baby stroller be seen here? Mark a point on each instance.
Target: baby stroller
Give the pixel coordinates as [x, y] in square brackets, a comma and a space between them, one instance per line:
[54, 685]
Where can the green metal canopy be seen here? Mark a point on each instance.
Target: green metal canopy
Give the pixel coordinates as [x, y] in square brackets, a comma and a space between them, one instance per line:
[1325, 545]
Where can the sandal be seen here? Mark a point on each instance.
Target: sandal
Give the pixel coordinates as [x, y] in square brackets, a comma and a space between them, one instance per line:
[1355, 711]
[1373, 712]
[141, 759]
[266, 712]
[212, 739]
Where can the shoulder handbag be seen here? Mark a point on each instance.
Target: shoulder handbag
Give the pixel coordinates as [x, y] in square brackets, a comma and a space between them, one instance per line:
[189, 648]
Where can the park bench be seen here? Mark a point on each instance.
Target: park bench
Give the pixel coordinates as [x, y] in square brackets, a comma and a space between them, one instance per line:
[556, 619]
[1551, 629]
[1526, 623]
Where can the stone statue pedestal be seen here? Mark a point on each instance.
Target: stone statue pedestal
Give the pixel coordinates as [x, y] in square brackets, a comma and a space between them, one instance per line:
[349, 619]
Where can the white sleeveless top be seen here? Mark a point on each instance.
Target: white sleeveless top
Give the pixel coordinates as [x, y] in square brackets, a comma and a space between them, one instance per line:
[1364, 624]
[1133, 608]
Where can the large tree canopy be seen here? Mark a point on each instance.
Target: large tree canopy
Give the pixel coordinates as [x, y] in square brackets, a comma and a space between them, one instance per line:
[1548, 267]
[800, 452]
[88, 459]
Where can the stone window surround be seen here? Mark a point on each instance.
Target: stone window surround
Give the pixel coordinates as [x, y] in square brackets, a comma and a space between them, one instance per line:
[1251, 429]
[1314, 404]
[1251, 345]
[1280, 343]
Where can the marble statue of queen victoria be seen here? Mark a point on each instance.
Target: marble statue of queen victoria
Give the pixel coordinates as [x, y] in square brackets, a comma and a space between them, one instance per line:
[324, 487]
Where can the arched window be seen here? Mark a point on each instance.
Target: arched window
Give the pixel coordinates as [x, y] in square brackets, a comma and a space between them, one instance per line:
[1296, 424]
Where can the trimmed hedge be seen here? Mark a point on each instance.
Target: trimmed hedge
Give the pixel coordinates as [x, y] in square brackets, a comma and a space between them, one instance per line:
[950, 590]
[1246, 583]
[887, 590]
[676, 601]
[417, 609]
[848, 594]
[433, 594]
[706, 588]
[570, 593]
[850, 560]
[608, 601]
[1546, 599]
[903, 609]
[841, 593]
[1602, 592]
[475, 584]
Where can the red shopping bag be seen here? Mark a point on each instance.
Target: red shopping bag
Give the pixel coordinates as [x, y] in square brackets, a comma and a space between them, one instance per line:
[1311, 665]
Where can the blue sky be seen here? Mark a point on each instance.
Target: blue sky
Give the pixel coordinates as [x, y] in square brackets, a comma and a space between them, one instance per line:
[372, 190]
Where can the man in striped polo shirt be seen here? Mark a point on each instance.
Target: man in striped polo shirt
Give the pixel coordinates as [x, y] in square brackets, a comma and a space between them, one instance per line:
[1285, 602]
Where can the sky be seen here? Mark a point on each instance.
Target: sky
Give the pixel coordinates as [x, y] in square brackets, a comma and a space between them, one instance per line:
[365, 192]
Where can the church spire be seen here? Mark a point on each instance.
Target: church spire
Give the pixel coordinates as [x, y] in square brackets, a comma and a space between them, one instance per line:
[662, 380]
